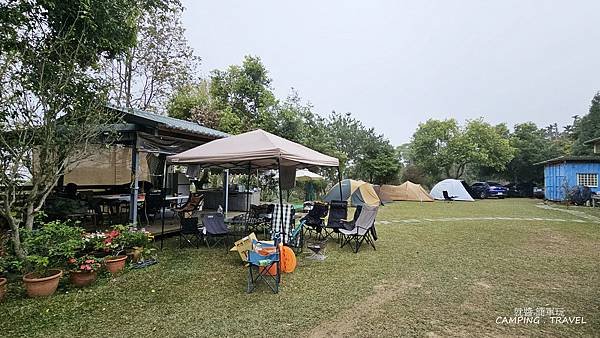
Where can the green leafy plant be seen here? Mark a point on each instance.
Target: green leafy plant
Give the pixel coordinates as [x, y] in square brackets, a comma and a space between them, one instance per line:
[51, 246]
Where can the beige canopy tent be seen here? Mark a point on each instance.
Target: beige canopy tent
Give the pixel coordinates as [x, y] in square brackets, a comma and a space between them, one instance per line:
[255, 150]
[407, 191]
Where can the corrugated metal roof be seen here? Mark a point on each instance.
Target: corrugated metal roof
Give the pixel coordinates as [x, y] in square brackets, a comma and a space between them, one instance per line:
[171, 122]
[586, 158]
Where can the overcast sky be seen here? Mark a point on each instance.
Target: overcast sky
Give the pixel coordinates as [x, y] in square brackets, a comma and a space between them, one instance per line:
[394, 64]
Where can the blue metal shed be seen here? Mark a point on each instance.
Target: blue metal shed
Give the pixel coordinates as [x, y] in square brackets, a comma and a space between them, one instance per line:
[565, 172]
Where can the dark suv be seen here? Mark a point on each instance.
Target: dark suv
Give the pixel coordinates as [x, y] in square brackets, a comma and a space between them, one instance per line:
[488, 189]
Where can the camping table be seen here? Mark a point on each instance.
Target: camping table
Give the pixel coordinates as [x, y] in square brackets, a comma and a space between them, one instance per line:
[141, 198]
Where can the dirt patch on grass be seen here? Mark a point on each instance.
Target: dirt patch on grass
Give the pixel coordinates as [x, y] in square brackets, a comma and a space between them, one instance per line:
[345, 323]
[550, 242]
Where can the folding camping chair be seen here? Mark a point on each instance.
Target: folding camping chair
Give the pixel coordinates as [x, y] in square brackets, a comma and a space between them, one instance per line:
[214, 227]
[338, 211]
[193, 203]
[290, 234]
[314, 221]
[258, 218]
[263, 265]
[189, 232]
[153, 203]
[362, 229]
[447, 197]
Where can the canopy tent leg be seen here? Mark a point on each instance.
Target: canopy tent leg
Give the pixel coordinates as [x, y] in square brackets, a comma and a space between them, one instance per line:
[135, 176]
[280, 201]
[226, 192]
[163, 189]
[340, 182]
[248, 196]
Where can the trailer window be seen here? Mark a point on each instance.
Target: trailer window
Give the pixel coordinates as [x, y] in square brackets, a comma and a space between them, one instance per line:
[588, 180]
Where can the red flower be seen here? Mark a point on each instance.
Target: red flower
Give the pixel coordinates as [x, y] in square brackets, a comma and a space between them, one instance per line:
[72, 261]
[113, 233]
[89, 261]
[88, 267]
[82, 267]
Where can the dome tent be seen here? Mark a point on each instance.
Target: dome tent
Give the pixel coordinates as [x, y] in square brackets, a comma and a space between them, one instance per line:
[407, 191]
[355, 192]
[455, 188]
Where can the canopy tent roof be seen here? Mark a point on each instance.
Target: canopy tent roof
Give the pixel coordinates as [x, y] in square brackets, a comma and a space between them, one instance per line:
[407, 191]
[355, 192]
[256, 149]
[455, 189]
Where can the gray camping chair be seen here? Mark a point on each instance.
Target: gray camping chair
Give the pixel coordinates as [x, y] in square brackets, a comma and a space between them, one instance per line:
[215, 229]
[362, 229]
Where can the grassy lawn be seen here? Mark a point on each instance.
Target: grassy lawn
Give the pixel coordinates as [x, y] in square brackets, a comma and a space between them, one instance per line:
[439, 270]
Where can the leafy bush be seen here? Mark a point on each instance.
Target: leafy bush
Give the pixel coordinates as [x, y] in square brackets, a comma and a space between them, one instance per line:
[51, 246]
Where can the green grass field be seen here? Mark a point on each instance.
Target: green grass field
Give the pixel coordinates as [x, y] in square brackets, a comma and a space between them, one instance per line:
[440, 269]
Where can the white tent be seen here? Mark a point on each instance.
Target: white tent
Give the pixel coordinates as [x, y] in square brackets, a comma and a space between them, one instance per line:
[454, 189]
[305, 175]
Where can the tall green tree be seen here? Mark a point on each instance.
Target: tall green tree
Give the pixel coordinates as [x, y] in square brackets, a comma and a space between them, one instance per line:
[243, 95]
[531, 146]
[444, 149]
[587, 128]
[52, 98]
[194, 102]
[432, 146]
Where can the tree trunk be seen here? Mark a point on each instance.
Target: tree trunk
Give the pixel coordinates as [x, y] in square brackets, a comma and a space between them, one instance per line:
[128, 76]
[16, 237]
[29, 216]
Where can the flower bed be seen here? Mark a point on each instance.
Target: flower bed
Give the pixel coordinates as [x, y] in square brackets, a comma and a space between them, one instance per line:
[63, 246]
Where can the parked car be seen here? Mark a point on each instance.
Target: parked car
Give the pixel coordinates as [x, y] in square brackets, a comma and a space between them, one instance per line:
[488, 189]
[519, 189]
[538, 192]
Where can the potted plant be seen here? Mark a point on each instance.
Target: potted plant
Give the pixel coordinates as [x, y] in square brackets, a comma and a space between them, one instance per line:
[115, 244]
[42, 281]
[48, 248]
[84, 270]
[136, 242]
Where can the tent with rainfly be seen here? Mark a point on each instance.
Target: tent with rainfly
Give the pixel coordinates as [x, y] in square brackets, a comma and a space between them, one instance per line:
[455, 189]
[355, 192]
[407, 191]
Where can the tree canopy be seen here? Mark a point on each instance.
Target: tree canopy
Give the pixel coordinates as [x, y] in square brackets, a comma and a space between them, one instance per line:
[587, 128]
[444, 149]
[52, 97]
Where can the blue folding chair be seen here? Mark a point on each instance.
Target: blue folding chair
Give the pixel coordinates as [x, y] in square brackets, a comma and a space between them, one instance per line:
[259, 267]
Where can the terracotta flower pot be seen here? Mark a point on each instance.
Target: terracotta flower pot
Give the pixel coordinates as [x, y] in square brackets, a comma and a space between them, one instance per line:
[44, 286]
[83, 278]
[115, 264]
[3, 282]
